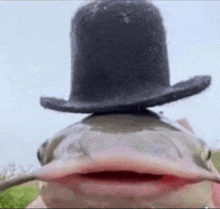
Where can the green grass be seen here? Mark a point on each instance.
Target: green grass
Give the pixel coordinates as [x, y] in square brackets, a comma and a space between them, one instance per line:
[216, 160]
[19, 196]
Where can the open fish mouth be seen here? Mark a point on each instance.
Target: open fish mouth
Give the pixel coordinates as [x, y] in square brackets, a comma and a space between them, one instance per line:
[120, 176]
[114, 181]
[136, 175]
[123, 183]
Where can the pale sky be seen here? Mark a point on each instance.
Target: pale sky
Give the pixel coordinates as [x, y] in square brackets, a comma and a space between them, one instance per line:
[35, 61]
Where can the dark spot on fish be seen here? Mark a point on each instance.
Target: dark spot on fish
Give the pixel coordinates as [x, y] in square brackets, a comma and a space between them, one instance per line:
[45, 143]
[39, 156]
[73, 148]
[41, 150]
[200, 162]
[53, 145]
[209, 155]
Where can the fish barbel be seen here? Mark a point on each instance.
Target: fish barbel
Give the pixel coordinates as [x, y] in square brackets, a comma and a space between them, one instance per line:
[124, 160]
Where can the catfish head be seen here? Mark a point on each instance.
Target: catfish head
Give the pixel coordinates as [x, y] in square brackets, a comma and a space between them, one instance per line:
[124, 160]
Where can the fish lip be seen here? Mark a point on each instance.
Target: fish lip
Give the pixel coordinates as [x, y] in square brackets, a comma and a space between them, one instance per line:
[59, 168]
[148, 190]
[124, 159]
[67, 173]
[78, 178]
[129, 189]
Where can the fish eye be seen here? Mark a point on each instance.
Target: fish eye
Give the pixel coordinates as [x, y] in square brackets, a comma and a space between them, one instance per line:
[39, 156]
[40, 152]
[209, 155]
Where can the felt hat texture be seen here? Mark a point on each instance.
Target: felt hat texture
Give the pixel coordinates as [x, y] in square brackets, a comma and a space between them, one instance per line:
[119, 60]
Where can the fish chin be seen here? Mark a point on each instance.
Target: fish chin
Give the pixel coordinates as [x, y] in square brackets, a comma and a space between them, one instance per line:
[112, 189]
[124, 195]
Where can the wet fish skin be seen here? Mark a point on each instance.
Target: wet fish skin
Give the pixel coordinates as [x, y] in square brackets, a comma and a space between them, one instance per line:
[184, 197]
[131, 137]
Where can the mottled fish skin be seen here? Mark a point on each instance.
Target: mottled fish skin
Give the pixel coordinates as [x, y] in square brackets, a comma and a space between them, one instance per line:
[148, 135]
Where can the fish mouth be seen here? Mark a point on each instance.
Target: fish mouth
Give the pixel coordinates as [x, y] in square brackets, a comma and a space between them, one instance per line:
[125, 183]
[127, 173]
[120, 176]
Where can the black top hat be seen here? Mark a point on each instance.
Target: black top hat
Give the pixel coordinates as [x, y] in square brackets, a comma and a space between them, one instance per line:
[119, 60]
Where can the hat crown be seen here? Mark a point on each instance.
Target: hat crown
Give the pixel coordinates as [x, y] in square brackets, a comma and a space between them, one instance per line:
[119, 61]
[117, 46]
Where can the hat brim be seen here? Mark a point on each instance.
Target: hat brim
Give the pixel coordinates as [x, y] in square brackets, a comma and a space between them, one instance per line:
[159, 96]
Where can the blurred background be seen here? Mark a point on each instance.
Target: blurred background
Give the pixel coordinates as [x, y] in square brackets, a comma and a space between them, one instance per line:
[35, 61]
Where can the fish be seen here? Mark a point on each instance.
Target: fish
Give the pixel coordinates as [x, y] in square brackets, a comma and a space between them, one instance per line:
[124, 160]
